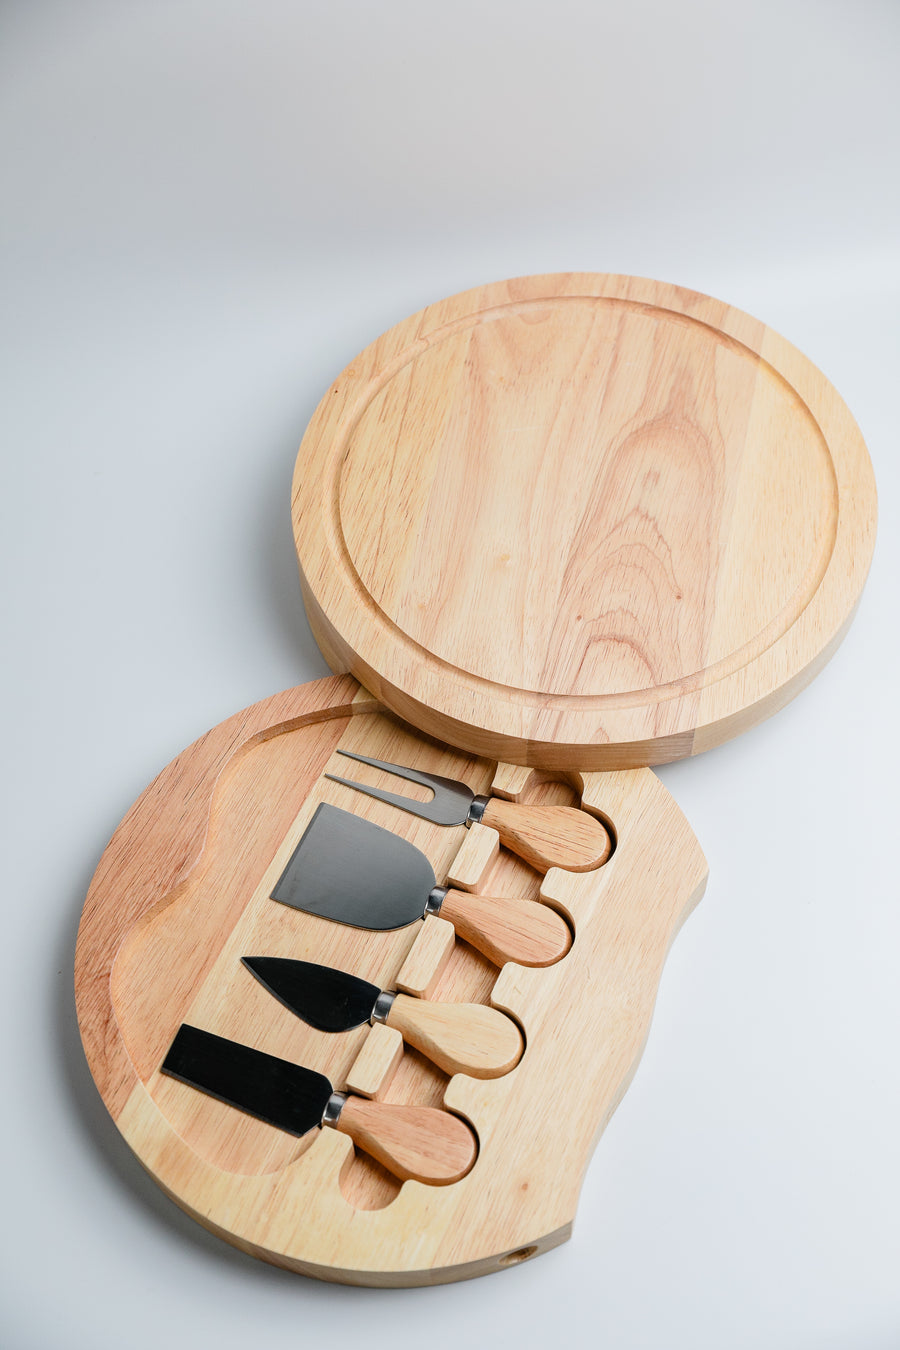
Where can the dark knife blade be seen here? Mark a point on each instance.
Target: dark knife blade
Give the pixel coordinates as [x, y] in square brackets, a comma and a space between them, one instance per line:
[327, 999]
[421, 1143]
[351, 871]
[274, 1090]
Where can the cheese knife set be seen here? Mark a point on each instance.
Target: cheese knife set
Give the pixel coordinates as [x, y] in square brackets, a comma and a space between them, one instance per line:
[551, 532]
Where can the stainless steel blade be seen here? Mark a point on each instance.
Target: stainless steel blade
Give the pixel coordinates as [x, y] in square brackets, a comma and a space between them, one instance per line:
[354, 872]
[274, 1090]
[328, 999]
[450, 804]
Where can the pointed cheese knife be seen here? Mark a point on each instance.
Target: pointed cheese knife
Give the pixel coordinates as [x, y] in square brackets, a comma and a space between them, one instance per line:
[417, 1143]
[349, 870]
[458, 1037]
[545, 836]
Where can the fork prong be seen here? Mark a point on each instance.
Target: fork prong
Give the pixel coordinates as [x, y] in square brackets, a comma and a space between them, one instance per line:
[399, 770]
[423, 809]
[449, 805]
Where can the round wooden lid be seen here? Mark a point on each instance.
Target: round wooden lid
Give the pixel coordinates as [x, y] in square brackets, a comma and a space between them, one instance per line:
[582, 521]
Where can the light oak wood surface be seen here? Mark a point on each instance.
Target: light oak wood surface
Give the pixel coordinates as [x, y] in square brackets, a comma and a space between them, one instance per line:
[415, 1143]
[182, 892]
[508, 929]
[582, 521]
[549, 836]
[376, 1063]
[459, 1037]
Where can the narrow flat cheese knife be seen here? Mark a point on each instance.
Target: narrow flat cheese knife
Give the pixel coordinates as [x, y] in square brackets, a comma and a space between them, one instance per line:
[545, 836]
[458, 1037]
[349, 870]
[417, 1143]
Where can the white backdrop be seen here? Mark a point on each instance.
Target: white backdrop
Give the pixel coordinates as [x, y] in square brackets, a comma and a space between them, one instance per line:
[210, 207]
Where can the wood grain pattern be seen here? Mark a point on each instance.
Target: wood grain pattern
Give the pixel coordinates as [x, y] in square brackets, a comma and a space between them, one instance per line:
[477, 853]
[160, 841]
[582, 521]
[504, 929]
[549, 836]
[415, 1143]
[375, 1065]
[459, 1037]
[427, 958]
[317, 1205]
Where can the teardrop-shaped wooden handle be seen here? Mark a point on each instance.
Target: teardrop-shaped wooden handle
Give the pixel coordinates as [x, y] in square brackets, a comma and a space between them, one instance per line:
[549, 836]
[523, 931]
[415, 1143]
[459, 1037]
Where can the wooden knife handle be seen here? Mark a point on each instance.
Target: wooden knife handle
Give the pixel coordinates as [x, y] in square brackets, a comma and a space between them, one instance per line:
[549, 836]
[523, 931]
[415, 1143]
[459, 1037]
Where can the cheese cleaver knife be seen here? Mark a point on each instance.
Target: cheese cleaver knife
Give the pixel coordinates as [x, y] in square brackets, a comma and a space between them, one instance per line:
[349, 870]
[419, 1143]
[466, 1038]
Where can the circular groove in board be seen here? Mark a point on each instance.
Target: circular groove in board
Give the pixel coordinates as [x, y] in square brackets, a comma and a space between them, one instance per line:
[405, 606]
[582, 518]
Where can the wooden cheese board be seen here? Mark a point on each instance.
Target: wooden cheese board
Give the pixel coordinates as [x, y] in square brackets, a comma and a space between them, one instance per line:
[550, 532]
[183, 892]
[582, 521]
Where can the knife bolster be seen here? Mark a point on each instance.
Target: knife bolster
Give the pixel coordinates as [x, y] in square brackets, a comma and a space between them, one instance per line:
[383, 1004]
[476, 811]
[435, 900]
[333, 1108]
